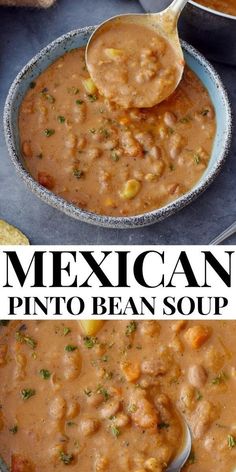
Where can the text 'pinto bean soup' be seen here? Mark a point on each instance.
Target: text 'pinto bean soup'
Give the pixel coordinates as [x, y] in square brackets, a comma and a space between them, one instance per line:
[111, 401]
[110, 160]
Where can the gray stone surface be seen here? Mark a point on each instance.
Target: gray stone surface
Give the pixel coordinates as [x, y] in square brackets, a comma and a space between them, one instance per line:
[22, 34]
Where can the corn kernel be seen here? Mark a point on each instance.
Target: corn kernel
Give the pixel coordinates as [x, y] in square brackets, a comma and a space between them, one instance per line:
[130, 189]
[113, 53]
[89, 86]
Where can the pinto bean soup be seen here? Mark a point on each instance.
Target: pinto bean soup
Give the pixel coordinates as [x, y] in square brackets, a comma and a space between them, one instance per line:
[110, 160]
[224, 6]
[111, 402]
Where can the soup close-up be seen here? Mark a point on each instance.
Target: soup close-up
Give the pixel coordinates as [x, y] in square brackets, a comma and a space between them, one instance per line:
[114, 401]
[223, 6]
[106, 159]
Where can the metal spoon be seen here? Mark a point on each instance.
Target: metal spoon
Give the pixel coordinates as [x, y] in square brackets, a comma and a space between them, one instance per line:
[225, 234]
[165, 25]
[179, 461]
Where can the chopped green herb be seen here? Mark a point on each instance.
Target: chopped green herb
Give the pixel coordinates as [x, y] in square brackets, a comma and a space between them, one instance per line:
[219, 379]
[105, 133]
[114, 155]
[115, 431]
[163, 425]
[79, 102]
[88, 392]
[92, 97]
[71, 423]
[132, 408]
[70, 348]
[172, 167]
[103, 391]
[61, 119]
[185, 119]
[231, 440]
[92, 130]
[14, 429]
[49, 132]
[66, 331]
[24, 339]
[198, 396]
[27, 393]
[47, 96]
[78, 173]
[66, 458]
[90, 341]
[45, 374]
[40, 155]
[197, 158]
[32, 85]
[131, 328]
[170, 131]
[73, 90]
[104, 358]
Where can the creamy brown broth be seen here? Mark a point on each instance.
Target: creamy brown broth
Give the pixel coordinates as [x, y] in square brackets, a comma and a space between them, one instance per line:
[106, 159]
[132, 65]
[109, 402]
[223, 6]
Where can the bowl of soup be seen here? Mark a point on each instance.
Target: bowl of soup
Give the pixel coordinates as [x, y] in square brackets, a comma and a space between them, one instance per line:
[110, 401]
[210, 25]
[106, 165]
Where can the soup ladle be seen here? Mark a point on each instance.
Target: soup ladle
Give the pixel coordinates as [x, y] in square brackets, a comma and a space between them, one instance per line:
[163, 23]
[179, 461]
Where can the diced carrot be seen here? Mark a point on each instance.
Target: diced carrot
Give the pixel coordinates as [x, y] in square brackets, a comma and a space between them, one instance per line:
[46, 180]
[196, 336]
[130, 370]
[20, 464]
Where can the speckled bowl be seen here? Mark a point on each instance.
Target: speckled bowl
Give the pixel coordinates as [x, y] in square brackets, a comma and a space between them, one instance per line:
[79, 38]
[213, 32]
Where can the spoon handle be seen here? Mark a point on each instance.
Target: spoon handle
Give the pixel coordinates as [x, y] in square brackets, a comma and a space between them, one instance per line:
[226, 234]
[176, 7]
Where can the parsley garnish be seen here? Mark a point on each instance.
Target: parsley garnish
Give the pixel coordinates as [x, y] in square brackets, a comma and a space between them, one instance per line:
[14, 429]
[92, 97]
[103, 391]
[219, 379]
[79, 102]
[66, 331]
[27, 393]
[24, 339]
[231, 441]
[70, 348]
[115, 431]
[45, 374]
[49, 132]
[163, 425]
[78, 173]
[66, 458]
[131, 328]
[90, 341]
[61, 119]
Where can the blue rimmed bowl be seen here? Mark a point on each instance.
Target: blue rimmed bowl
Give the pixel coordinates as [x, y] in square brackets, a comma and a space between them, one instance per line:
[79, 38]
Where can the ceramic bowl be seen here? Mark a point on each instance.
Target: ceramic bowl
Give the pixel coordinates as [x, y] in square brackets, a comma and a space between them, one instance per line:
[79, 38]
[212, 32]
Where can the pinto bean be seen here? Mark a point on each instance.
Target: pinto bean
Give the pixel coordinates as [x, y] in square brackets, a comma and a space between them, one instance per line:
[150, 328]
[197, 376]
[27, 149]
[145, 415]
[73, 409]
[72, 361]
[153, 367]
[89, 426]
[57, 408]
[203, 417]
[110, 409]
[169, 119]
